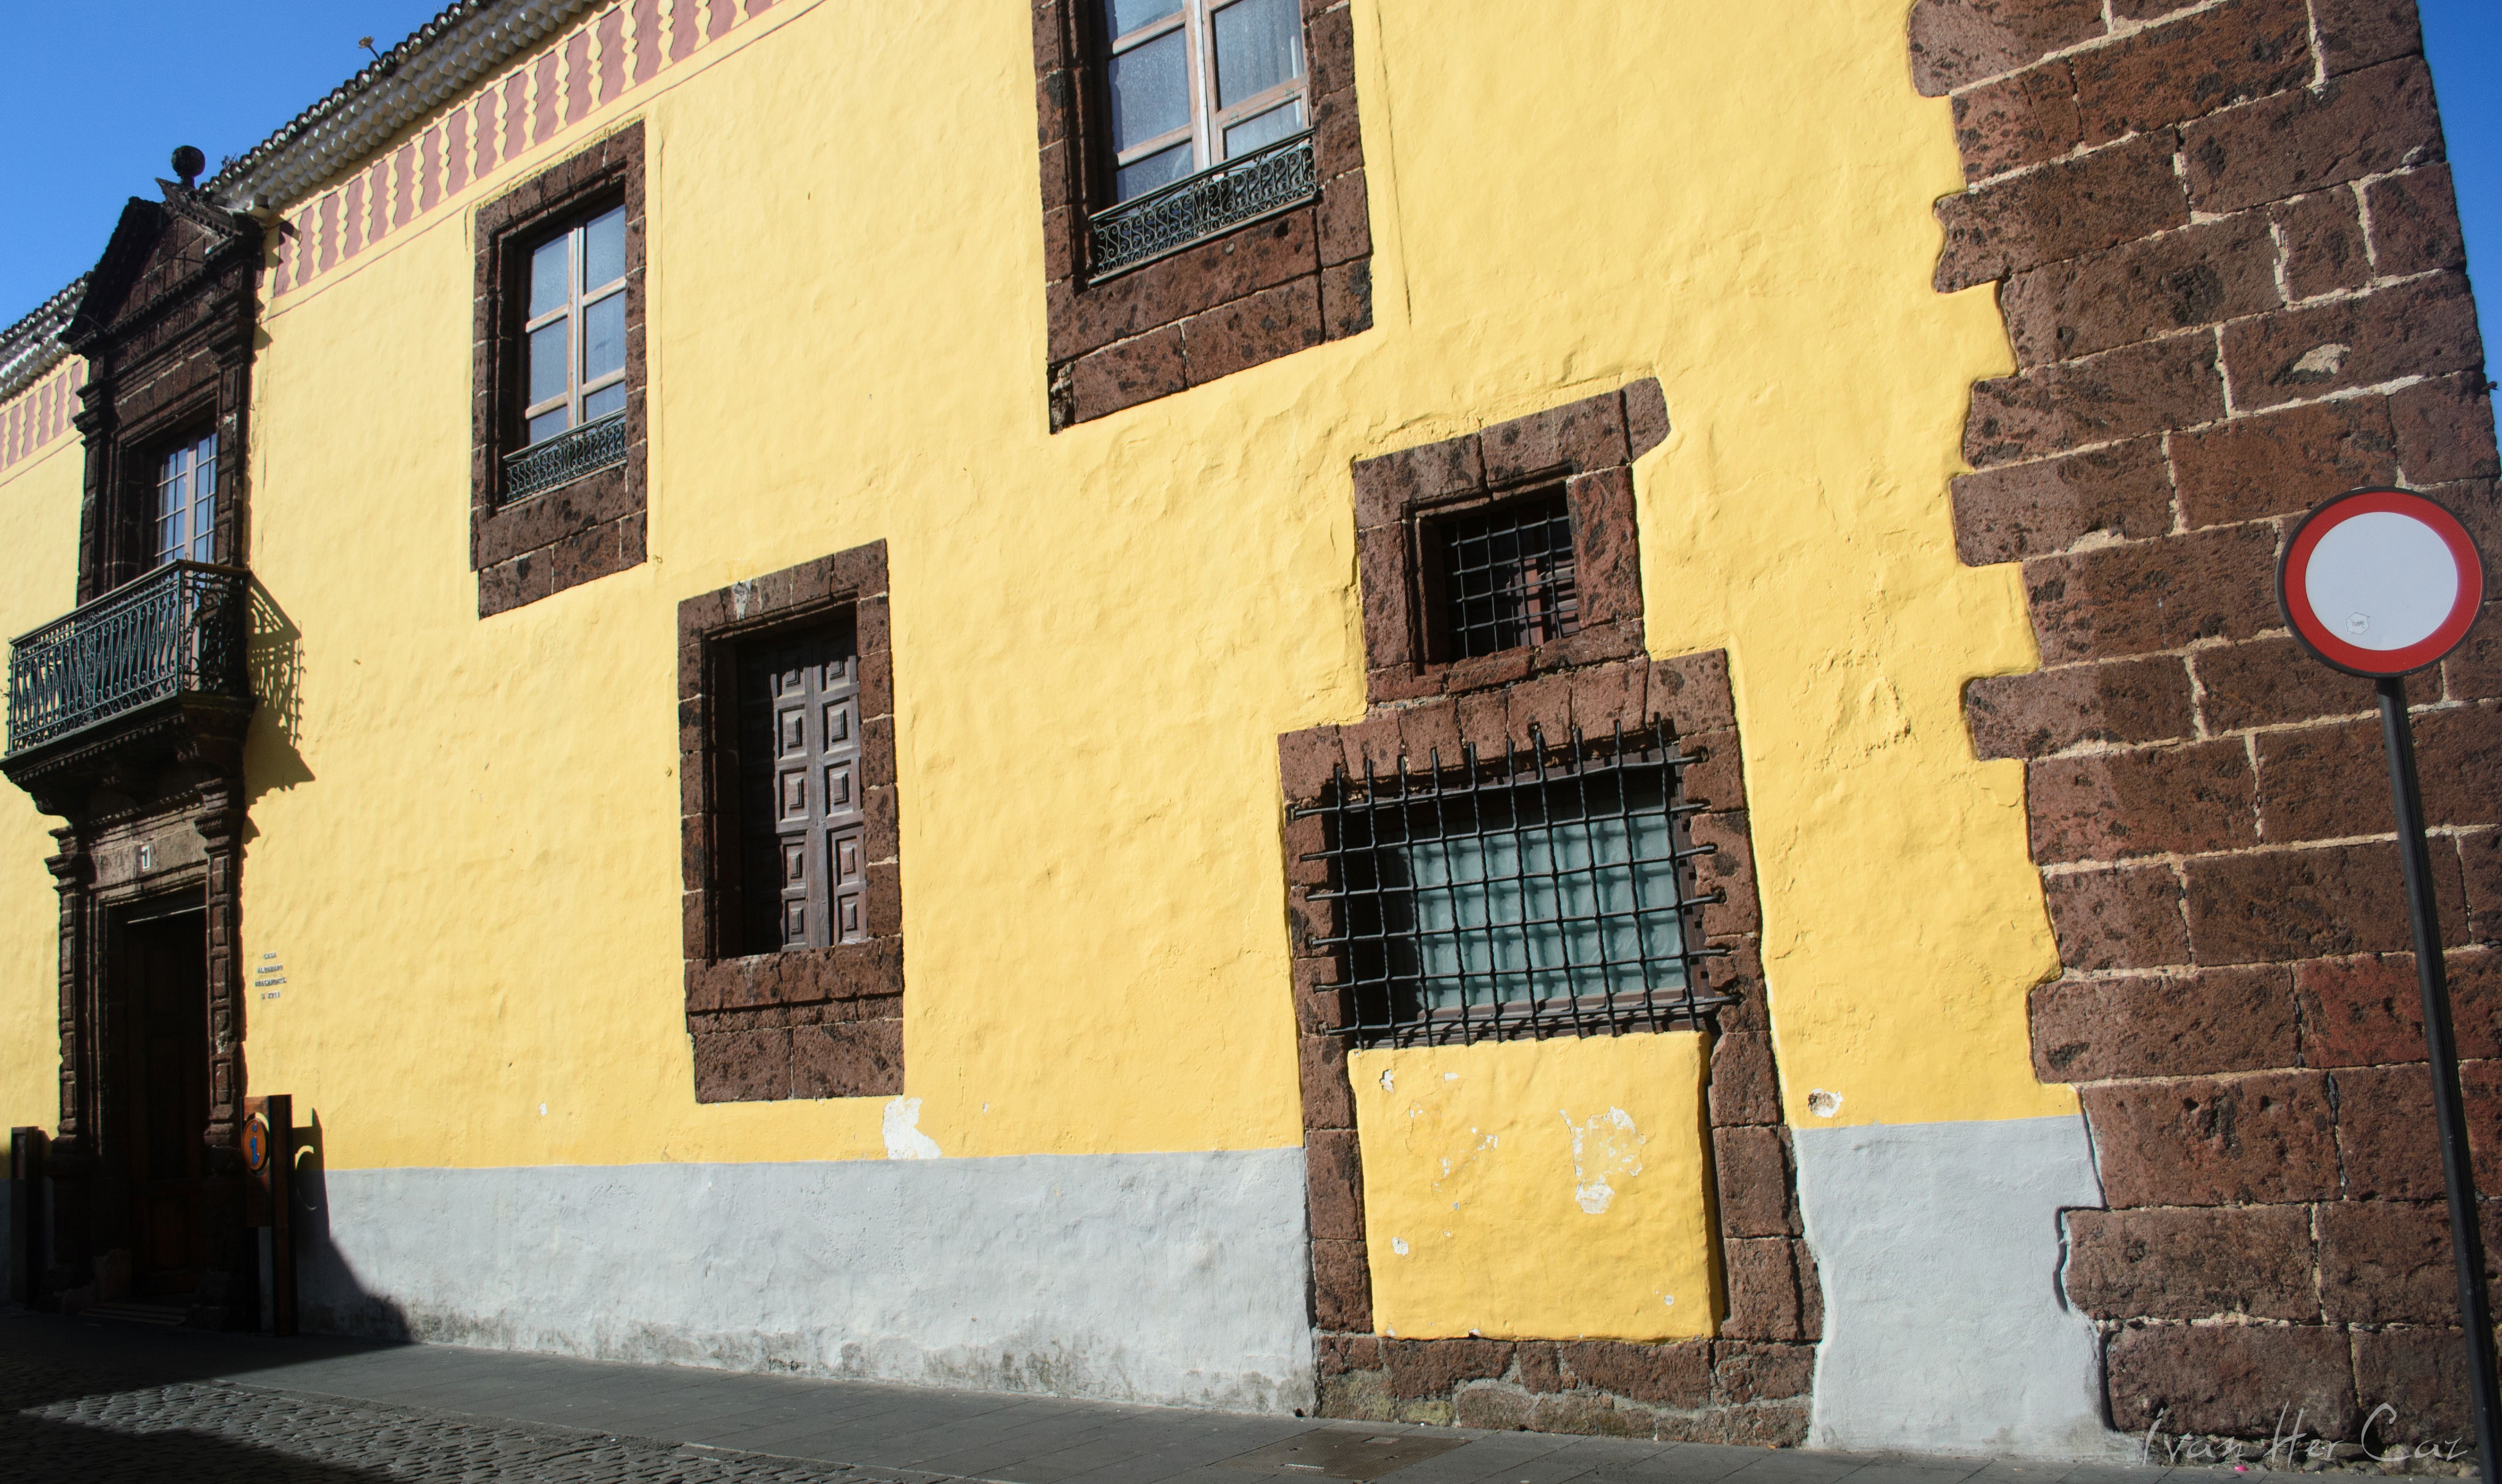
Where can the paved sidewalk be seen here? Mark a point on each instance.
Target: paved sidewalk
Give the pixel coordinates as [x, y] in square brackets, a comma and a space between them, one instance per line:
[84, 1400]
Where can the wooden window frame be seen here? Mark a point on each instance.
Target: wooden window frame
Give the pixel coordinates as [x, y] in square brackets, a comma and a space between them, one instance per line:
[158, 554]
[798, 1022]
[529, 549]
[1243, 297]
[1208, 119]
[575, 311]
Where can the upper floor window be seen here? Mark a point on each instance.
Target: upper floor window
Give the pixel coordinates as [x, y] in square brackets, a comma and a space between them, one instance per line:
[186, 503]
[576, 330]
[560, 378]
[1197, 83]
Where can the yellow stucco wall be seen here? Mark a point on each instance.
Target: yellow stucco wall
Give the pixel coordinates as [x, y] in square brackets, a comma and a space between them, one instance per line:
[1527, 1189]
[465, 833]
[39, 510]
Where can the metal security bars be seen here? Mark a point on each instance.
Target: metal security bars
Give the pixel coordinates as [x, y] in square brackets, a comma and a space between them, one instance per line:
[180, 629]
[1545, 894]
[565, 457]
[1240, 191]
[1507, 576]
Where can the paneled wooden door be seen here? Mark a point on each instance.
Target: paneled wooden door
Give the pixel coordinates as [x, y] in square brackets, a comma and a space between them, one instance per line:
[800, 812]
[163, 979]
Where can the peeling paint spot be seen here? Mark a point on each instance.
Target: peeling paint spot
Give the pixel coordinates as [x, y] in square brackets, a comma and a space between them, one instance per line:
[1386, 1081]
[1450, 1076]
[904, 1139]
[1605, 1148]
[1399, 1245]
[1823, 1104]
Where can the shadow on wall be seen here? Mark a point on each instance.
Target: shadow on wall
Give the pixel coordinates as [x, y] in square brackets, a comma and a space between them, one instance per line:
[329, 1298]
[274, 661]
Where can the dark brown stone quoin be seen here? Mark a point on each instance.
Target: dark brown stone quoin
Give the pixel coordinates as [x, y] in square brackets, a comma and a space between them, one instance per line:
[2227, 251]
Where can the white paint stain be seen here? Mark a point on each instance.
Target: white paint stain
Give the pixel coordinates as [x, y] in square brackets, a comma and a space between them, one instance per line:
[1450, 1076]
[1605, 1149]
[1399, 1245]
[904, 1139]
[1823, 1104]
[1386, 1081]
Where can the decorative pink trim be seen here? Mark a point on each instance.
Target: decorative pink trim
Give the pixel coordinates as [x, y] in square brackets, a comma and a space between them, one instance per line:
[543, 90]
[403, 185]
[647, 40]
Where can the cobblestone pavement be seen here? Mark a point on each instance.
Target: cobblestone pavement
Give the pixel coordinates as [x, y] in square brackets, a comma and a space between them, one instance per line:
[208, 1432]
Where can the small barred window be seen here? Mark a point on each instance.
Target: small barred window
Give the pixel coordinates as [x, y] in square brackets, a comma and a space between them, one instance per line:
[1547, 892]
[1502, 577]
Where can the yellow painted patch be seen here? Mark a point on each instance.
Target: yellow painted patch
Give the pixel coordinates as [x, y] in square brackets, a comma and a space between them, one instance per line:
[1537, 1187]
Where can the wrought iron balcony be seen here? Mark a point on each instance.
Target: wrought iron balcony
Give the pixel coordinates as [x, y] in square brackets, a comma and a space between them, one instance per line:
[1168, 219]
[180, 632]
[565, 457]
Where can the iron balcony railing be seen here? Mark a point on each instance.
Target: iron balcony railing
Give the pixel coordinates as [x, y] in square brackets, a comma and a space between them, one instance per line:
[565, 457]
[181, 629]
[1168, 219]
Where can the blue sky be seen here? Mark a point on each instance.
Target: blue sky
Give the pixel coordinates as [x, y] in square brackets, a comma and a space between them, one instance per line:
[224, 76]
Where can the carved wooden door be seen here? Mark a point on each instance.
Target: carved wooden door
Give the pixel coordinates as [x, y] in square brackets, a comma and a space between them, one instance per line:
[165, 1058]
[800, 813]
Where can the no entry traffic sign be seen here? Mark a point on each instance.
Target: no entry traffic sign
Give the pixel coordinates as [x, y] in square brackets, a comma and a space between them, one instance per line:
[2380, 581]
[2383, 582]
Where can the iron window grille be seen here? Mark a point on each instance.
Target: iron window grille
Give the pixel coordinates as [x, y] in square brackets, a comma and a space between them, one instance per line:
[1240, 191]
[1502, 577]
[178, 630]
[1549, 892]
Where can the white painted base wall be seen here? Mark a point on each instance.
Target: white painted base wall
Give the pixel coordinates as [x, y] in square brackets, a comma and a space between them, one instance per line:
[1946, 1330]
[1171, 1278]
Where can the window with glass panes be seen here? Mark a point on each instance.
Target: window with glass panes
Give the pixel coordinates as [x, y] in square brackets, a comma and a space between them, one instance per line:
[186, 503]
[575, 333]
[1197, 83]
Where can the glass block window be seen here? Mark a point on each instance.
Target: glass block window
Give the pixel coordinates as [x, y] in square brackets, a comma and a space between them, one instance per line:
[1195, 82]
[186, 503]
[1500, 577]
[574, 335]
[1546, 892]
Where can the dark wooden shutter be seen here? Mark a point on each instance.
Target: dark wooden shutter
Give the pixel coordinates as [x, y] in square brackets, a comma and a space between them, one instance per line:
[799, 790]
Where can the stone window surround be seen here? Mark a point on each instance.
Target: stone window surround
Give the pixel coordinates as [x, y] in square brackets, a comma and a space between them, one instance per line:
[183, 365]
[1241, 298]
[594, 526]
[805, 1023]
[1587, 448]
[1749, 1380]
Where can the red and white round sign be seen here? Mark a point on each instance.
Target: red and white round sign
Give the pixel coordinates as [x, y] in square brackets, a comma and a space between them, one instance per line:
[2380, 582]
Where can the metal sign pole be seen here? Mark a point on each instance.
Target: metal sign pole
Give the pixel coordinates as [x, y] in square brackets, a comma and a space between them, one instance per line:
[2440, 1047]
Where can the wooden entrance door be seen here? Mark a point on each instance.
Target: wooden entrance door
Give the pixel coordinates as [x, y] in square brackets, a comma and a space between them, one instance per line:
[165, 1064]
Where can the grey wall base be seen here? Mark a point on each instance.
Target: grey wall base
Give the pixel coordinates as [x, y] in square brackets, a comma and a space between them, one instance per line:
[1946, 1330]
[1172, 1278]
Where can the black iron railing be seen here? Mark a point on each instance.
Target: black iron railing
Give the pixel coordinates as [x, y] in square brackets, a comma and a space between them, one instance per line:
[1213, 201]
[565, 457]
[178, 631]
